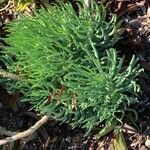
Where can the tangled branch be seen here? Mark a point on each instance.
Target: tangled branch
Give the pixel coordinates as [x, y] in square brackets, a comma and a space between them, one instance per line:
[23, 134]
[7, 6]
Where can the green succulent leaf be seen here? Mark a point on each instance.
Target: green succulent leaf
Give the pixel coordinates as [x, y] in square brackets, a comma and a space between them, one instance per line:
[64, 67]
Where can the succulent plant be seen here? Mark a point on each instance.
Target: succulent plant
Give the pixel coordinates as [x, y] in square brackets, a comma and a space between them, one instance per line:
[64, 67]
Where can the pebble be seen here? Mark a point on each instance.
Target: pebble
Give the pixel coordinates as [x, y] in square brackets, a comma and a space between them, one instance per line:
[68, 139]
[136, 24]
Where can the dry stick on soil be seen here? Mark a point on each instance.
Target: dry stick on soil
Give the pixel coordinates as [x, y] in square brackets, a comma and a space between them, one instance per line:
[26, 133]
[6, 7]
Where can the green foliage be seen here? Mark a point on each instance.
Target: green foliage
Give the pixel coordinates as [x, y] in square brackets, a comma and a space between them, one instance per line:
[59, 57]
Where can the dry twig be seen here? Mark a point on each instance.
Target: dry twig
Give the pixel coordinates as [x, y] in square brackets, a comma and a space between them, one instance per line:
[6, 7]
[26, 133]
[5, 74]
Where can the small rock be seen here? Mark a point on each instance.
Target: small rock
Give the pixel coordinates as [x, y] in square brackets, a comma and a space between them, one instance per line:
[136, 24]
[147, 143]
[68, 139]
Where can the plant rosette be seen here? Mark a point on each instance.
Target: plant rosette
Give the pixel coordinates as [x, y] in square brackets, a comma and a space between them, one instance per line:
[65, 69]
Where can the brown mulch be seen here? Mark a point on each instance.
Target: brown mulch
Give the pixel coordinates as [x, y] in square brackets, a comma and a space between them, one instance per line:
[15, 116]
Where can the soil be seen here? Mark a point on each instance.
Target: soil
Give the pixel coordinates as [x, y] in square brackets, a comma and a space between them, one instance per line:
[15, 116]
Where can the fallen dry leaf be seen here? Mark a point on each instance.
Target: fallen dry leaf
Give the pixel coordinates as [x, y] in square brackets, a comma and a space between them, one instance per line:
[147, 143]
